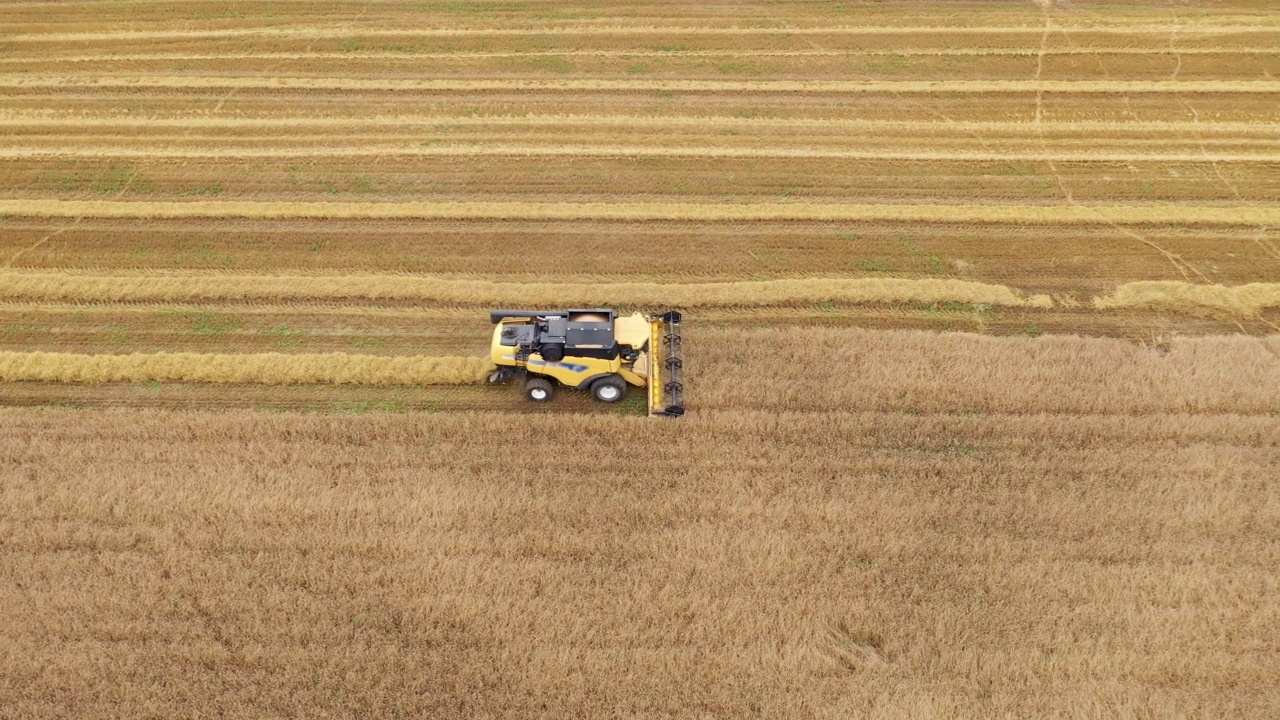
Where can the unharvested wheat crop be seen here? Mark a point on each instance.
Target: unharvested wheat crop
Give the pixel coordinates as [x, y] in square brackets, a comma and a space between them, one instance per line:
[911, 525]
[880, 371]
[267, 368]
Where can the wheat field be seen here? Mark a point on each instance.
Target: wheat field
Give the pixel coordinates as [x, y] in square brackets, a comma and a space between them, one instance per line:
[981, 344]
[925, 527]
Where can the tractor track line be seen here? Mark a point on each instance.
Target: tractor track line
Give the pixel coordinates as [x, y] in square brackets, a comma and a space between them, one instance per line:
[736, 86]
[615, 151]
[347, 31]
[1137, 213]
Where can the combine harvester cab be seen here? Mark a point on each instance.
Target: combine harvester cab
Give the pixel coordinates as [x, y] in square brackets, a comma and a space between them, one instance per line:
[591, 349]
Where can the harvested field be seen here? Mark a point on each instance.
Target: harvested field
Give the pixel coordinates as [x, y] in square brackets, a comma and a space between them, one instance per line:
[981, 342]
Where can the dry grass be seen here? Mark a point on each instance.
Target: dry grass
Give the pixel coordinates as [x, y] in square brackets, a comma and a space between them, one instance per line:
[267, 368]
[1137, 213]
[155, 287]
[913, 526]
[1244, 300]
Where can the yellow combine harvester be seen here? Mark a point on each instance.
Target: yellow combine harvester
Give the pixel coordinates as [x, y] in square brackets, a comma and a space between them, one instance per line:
[593, 350]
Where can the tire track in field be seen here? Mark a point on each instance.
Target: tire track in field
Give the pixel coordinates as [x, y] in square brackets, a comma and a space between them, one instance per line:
[620, 151]
[1136, 213]
[1181, 265]
[14, 118]
[734, 86]
[1260, 236]
[593, 30]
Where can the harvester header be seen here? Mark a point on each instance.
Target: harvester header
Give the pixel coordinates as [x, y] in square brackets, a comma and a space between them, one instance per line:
[591, 349]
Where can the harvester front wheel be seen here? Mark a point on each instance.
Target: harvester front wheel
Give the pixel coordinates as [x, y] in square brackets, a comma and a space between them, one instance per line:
[538, 389]
[609, 389]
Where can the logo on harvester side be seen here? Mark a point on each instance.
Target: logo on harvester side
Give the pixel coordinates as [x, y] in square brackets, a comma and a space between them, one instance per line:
[567, 366]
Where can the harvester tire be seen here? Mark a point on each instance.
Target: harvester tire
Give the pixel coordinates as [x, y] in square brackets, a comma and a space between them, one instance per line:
[609, 389]
[538, 389]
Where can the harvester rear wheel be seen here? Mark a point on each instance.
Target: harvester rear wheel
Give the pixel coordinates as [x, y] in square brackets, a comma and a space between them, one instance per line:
[609, 389]
[538, 389]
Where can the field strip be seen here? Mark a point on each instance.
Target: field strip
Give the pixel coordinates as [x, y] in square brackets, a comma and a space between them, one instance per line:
[588, 85]
[14, 118]
[607, 151]
[178, 288]
[451, 313]
[613, 151]
[66, 293]
[1137, 213]
[264, 308]
[1244, 300]
[1028, 51]
[347, 31]
[261, 368]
